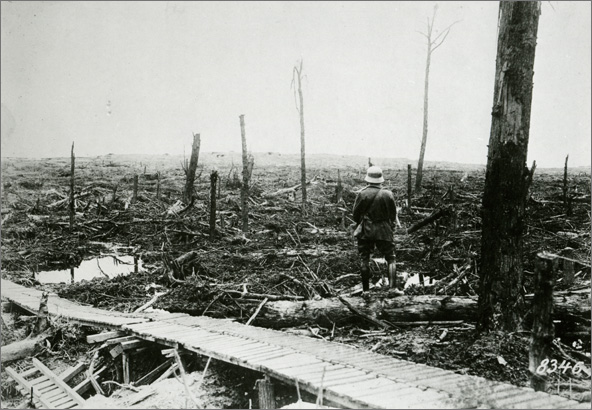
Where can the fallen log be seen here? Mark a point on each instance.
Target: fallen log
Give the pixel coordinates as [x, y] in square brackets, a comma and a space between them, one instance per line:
[569, 307]
[35, 342]
[435, 215]
[24, 348]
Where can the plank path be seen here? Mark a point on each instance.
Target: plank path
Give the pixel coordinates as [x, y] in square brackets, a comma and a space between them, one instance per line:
[349, 377]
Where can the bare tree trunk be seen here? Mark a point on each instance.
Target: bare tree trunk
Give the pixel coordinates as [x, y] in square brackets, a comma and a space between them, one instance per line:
[213, 180]
[192, 169]
[503, 217]
[566, 199]
[424, 135]
[72, 188]
[298, 72]
[433, 44]
[245, 185]
[542, 326]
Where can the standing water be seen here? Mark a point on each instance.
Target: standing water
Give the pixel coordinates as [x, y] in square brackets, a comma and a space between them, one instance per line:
[107, 266]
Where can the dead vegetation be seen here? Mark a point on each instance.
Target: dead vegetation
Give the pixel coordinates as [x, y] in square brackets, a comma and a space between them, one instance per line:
[287, 258]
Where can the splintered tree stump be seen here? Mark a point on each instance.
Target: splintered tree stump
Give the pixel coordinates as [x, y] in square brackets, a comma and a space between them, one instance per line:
[542, 327]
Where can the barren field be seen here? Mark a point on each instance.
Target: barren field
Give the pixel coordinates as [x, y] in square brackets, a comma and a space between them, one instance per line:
[285, 255]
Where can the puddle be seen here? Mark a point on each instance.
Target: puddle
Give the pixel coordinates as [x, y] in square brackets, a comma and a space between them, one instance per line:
[103, 266]
[414, 280]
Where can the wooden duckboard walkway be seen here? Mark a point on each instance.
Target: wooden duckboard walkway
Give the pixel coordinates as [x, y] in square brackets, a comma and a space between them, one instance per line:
[350, 377]
[50, 391]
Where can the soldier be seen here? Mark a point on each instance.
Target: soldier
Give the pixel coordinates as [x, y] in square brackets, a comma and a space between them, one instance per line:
[375, 212]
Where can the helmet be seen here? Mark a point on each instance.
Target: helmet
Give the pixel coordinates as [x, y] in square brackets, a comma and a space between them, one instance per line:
[374, 175]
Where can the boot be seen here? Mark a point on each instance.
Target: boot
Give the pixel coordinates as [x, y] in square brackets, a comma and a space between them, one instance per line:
[365, 272]
[392, 270]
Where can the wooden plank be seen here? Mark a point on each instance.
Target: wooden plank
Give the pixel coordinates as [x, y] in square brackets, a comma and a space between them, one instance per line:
[526, 400]
[101, 337]
[132, 344]
[344, 376]
[72, 372]
[289, 361]
[122, 339]
[354, 378]
[167, 373]
[49, 396]
[17, 378]
[238, 347]
[116, 351]
[152, 374]
[58, 404]
[255, 351]
[29, 372]
[273, 354]
[199, 340]
[75, 396]
[56, 395]
[125, 365]
[86, 384]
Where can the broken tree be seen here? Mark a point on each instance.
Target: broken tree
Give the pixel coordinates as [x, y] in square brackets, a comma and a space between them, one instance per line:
[297, 74]
[504, 196]
[190, 171]
[245, 185]
[433, 44]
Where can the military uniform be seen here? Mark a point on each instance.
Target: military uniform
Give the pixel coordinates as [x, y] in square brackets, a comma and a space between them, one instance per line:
[375, 212]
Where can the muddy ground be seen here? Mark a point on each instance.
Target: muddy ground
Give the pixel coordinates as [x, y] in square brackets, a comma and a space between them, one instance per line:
[284, 253]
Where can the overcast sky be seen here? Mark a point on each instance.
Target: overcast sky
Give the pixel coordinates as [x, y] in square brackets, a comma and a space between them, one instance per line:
[141, 77]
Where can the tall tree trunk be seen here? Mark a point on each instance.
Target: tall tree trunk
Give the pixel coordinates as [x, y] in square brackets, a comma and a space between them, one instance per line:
[503, 218]
[424, 135]
[245, 185]
[72, 206]
[188, 193]
[298, 71]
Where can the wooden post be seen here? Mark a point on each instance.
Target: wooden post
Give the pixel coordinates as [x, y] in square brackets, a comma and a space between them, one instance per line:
[72, 188]
[158, 186]
[542, 313]
[135, 194]
[245, 186]
[213, 180]
[409, 191]
[188, 193]
[125, 365]
[266, 393]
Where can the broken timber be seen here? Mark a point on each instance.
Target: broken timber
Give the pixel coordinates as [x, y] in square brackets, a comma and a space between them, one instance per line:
[346, 376]
[49, 390]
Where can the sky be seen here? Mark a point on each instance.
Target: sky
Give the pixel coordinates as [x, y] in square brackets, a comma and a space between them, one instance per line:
[142, 77]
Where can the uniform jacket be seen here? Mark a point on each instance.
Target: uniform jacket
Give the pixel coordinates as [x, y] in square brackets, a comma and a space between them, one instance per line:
[378, 216]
